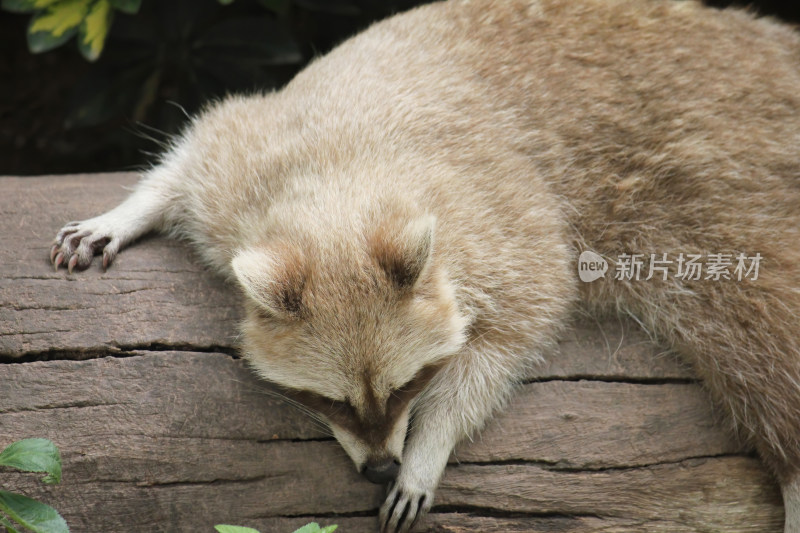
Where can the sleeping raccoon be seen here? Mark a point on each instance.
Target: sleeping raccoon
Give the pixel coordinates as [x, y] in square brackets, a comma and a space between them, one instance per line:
[405, 217]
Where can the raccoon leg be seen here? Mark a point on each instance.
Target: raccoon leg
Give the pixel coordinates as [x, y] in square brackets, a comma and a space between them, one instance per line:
[144, 210]
[456, 404]
[751, 364]
[742, 337]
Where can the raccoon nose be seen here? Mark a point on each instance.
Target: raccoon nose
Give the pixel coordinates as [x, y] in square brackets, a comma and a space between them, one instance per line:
[381, 472]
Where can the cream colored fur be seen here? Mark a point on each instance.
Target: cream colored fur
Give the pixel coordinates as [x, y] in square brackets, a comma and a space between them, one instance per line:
[418, 197]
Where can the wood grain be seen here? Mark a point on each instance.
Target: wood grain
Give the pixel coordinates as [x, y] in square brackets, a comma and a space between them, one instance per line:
[154, 294]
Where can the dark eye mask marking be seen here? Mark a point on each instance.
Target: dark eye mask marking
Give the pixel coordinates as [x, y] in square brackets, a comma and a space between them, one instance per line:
[376, 425]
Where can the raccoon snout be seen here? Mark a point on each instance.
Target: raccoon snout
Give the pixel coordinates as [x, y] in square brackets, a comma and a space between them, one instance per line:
[381, 472]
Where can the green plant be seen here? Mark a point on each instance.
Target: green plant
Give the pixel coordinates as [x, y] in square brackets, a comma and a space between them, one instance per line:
[54, 22]
[156, 68]
[313, 527]
[31, 455]
[184, 51]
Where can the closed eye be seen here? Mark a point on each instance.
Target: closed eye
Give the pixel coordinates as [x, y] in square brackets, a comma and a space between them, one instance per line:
[333, 409]
[344, 414]
[400, 397]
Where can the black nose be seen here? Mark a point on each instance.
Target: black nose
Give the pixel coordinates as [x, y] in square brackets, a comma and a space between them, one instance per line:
[381, 472]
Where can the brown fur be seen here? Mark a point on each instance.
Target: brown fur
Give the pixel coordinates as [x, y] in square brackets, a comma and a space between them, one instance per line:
[418, 198]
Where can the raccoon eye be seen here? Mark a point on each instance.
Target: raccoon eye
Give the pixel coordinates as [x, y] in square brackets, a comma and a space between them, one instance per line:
[340, 407]
[327, 406]
[401, 396]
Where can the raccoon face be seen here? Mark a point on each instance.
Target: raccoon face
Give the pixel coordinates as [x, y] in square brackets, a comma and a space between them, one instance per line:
[353, 328]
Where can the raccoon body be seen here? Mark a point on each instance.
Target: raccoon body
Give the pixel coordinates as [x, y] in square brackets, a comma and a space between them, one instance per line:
[405, 217]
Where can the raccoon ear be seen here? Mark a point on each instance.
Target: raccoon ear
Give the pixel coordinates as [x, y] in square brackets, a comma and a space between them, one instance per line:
[405, 255]
[274, 278]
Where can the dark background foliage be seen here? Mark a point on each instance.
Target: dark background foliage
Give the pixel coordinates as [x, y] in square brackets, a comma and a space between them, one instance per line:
[61, 114]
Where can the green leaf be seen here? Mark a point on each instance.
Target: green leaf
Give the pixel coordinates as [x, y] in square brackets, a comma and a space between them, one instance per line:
[36, 516]
[225, 2]
[222, 528]
[131, 7]
[34, 455]
[313, 527]
[56, 24]
[94, 29]
[25, 6]
[8, 525]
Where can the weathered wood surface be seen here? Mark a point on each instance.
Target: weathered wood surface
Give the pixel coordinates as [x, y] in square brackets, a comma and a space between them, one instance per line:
[133, 374]
[154, 296]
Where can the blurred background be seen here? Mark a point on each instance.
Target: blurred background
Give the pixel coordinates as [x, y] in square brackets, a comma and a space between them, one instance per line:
[96, 85]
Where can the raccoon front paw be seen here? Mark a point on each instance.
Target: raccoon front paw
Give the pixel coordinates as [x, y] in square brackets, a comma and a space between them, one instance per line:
[404, 505]
[78, 242]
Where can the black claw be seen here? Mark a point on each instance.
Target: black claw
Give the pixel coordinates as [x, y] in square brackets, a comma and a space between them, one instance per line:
[390, 512]
[394, 503]
[403, 515]
[420, 511]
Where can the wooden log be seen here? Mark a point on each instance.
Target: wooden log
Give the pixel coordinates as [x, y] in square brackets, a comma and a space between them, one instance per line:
[610, 349]
[133, 374]
[214, 396]
[154, 295]
[456, 522]
[592, 424]
[164, 428]
[695, 495]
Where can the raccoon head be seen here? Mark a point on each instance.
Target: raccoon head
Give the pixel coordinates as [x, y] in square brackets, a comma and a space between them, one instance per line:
[353, 326]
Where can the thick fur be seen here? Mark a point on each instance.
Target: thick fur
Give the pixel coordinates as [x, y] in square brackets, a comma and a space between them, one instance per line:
[405, 216]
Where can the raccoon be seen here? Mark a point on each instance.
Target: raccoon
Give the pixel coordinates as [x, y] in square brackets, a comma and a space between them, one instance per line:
[404, 218]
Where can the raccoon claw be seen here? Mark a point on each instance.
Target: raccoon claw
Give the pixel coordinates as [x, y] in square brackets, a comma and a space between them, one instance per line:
[77, 243]
[403, 507]
[108, 258]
